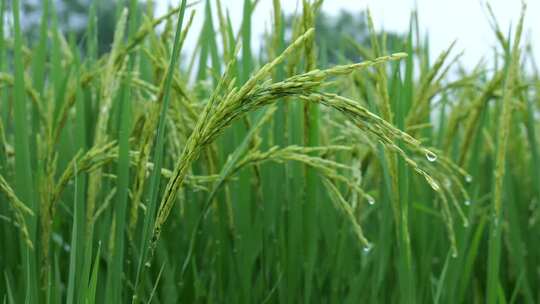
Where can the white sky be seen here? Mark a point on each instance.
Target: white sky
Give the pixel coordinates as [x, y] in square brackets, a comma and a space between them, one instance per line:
[444, 20]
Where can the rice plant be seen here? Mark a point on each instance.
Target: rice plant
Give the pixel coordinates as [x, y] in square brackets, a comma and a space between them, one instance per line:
[152, 174]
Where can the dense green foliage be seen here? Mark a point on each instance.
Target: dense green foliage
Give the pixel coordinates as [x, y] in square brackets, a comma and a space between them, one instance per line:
[148, 174]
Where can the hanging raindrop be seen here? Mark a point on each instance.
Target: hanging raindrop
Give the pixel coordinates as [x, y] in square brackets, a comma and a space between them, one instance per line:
[467, 203]
[370, 200]
[367, 248]
[447, 183]
[468, 179]
[431, 156]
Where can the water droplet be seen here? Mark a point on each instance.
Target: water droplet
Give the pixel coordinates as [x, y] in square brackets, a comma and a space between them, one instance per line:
[447, 183]
[468, 179]
[455, 254]
[370, 200]
[467, 202]
[431, 156]
[147, 264]
[466, 224]
[367, 248]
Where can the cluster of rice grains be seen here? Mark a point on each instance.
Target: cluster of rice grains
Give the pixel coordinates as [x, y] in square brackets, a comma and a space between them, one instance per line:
[195, 177]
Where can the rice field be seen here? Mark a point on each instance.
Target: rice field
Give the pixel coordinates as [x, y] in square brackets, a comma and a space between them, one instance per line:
[221, 174]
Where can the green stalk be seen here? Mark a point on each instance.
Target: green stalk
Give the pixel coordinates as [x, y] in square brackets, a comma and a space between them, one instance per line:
[152, 194]
[204, 41]
[247, 60]
[90, 291]
[24, 184]
[505, 118]
[4, 102]
[76, 282]
[39, 71]
[280, 191]
[407, 283]
[92, 48]
[311, 139]
[41, 51]
[246, 206]
[115, 281]
[56, 73]
[293, 210]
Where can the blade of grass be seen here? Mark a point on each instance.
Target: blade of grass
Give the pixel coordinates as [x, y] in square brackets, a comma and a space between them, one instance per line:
[442, 278]
[152, 194]
[90, 292]
[76, 282]
[311, 138]
[24, 184]
[406, 264]
[115, 278]
[84, 110]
